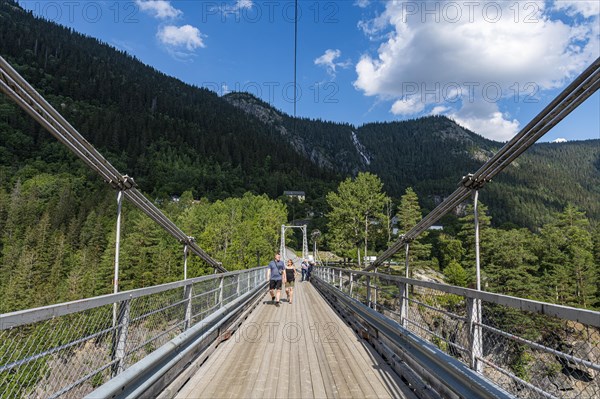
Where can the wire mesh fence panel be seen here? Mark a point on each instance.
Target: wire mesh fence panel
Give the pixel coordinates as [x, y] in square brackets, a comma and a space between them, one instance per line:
[53, 356]
[155, 320]
[538, 356]
[527, 353]
[439, 318]
[68, 350]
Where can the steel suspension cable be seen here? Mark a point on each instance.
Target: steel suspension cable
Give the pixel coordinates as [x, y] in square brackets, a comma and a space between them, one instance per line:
[583, 87]
[295, 58]
[26, 97]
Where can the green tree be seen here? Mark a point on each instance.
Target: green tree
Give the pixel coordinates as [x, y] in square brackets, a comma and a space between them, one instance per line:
[356, 207]
[455, 274]
[409, 214]
[450, 249]
[567, 259]
[511, 263]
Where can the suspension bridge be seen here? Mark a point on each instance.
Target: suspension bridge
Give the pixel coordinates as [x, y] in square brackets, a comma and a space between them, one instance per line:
[350, 333]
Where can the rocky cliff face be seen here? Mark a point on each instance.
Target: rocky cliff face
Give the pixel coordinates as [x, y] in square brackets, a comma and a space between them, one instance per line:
[266, 114]
[329, 145]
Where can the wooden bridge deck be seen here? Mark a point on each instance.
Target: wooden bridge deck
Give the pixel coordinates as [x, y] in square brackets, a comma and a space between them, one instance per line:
[299, 350]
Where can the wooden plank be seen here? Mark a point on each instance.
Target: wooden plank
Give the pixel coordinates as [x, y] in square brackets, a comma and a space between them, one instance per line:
[209, 374]
[253, 335]
[259, 386]
[333, 329]
[294, 335]
[315, 365]
[379, 374]
[304, 370]
[206, 373]
[237, 364]
[360, 364]
[320, 379]
[331, 389]
[283, 374]
[272, 332]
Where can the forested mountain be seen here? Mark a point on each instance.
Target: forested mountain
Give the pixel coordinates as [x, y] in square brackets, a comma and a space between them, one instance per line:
[432, 155]
[57, 217]
[173, 137]
[169, 135]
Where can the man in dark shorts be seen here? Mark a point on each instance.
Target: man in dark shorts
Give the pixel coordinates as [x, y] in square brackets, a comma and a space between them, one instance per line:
[274, 272]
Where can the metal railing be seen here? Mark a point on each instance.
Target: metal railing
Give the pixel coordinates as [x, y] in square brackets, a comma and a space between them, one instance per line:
[528, 348]
[68, 350]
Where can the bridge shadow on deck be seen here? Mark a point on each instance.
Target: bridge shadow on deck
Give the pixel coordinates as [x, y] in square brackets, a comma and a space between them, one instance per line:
[299, 350]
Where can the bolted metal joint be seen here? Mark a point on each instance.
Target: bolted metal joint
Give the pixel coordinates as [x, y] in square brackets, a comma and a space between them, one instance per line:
[124, 182]
[469, 181]
[188, 240]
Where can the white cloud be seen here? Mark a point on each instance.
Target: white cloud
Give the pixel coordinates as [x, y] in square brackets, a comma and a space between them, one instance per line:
[244, 4]
[362, 3]
[236, 8]
[488, 121]
[559, 140]
[160, 9]
[407, 106]
[439, 110]
[442, 54]
[186, 36]
[586, 8]
[328, 61]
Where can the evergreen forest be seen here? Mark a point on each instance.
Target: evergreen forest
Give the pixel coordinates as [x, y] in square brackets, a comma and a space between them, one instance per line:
[219, 172]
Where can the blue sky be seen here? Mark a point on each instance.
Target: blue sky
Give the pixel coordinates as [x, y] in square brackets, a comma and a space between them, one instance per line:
[489, 65]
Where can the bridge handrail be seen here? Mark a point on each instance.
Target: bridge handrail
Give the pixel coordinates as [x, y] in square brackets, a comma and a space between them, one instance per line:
[147, 377]
[520, 344]
[73, 347]
[447, 375]
[28, 316]
[586, 316]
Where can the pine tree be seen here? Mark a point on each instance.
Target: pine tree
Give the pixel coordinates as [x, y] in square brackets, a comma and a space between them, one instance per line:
[455, 274]
[511, 263]
[568, 259]
[409, 214]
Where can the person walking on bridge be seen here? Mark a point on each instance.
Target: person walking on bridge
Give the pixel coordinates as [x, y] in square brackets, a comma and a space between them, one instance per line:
[304, 269]
[274, 277]
[311, 264]
[289, 279]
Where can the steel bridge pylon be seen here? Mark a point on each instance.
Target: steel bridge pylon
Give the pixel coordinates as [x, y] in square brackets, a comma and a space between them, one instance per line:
[304, 241]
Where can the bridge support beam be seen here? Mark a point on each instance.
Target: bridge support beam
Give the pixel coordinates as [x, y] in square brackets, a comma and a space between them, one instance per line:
[120, 338]
[187, 292]
[369, 291]
[221, 292]
[475, 336]
[117, 249]
[404, 290]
